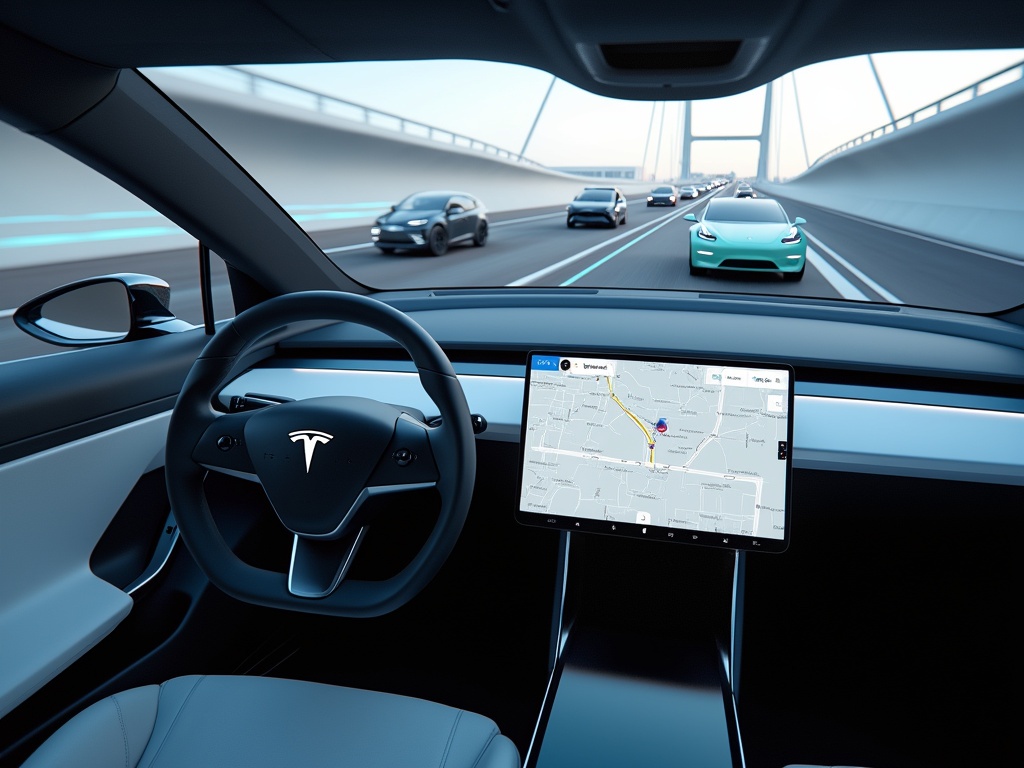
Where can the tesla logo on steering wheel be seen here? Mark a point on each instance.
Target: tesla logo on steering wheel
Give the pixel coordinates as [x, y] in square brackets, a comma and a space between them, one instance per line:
[309, 438]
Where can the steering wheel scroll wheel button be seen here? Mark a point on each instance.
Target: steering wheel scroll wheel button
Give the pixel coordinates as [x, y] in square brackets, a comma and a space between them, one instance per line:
[403, 457]
[314, 458]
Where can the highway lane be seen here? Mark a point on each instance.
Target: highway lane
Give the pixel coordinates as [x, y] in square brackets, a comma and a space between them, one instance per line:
[918, 270]
[651, 251]
[847, 258]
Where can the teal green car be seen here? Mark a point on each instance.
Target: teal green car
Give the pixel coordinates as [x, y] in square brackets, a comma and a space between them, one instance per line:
[748, 235]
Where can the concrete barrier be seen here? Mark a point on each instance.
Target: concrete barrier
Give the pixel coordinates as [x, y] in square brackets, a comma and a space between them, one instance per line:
[327, 172]
[955, 176]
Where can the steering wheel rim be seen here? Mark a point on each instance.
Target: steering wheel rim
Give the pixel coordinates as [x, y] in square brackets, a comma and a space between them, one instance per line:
[195, 421]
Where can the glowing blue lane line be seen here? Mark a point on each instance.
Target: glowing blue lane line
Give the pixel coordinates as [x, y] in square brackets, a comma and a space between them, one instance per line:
[617, 251]
[58, 218]
[65, 218]
[65, 238]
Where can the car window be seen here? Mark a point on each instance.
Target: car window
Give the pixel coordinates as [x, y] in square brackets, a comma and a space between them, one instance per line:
[61, 221]
[745, 210]
[596, 194]
[423, 203]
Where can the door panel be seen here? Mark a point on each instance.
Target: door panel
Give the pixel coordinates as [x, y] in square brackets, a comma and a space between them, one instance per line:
[79, 430]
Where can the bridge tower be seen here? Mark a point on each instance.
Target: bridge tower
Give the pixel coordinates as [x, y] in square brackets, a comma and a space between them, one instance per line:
[761, 138]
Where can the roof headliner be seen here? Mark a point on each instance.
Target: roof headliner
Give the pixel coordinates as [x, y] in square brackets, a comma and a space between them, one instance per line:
[751, 41]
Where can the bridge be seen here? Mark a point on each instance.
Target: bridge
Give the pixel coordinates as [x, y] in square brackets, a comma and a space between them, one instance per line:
[886, 221]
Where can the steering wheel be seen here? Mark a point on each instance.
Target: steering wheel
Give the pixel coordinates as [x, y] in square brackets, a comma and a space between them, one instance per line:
[319, 460]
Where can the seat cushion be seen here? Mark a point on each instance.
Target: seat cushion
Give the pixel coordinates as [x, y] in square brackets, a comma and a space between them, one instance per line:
[251, 722]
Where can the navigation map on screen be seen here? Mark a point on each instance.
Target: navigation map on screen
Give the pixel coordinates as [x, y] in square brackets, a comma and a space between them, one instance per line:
[688, 451]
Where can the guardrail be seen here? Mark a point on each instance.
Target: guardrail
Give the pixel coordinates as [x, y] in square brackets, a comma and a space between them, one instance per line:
[991, 83]
[243, 81]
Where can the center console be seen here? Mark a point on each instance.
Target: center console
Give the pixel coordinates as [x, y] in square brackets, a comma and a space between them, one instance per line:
[630, 457]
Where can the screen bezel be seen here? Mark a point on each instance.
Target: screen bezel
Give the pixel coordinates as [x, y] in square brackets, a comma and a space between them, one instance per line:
[647, 531]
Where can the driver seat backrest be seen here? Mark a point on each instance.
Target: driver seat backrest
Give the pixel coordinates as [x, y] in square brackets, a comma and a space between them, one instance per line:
[254, 722]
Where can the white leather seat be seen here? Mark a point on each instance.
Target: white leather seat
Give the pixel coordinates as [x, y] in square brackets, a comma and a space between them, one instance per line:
[252, 722]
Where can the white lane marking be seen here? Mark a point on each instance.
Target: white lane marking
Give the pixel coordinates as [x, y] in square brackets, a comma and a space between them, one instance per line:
[7, 312]
[846, 289]
[538, 217]
[891, 298]
[603, 244]
[348, 248]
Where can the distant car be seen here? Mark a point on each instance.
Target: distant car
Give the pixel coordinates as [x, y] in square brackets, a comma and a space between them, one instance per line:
[745, 190]
[667, 195]
[689, 192]
[747, 236]
[431, 221]
[597, 205]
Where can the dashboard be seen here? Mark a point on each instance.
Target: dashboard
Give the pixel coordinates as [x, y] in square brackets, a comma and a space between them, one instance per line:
[878, 390]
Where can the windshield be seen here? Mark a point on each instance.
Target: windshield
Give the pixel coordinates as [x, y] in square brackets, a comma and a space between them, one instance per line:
[423, 203]
[902, 165]
[761, 211]
[601, 195]
[663, 190]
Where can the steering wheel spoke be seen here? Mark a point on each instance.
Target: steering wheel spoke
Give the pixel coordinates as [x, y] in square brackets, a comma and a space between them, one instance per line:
[318, 566]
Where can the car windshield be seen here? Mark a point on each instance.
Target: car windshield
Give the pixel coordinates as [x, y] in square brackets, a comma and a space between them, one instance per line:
[898, 162]
[663, 190]
[601, 195]
[760, 211]
[423, 203]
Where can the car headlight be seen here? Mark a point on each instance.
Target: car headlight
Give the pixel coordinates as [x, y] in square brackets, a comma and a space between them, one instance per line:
[417, 222]
[650, 199]
[375, 231]
[703, 234]
[793, 236]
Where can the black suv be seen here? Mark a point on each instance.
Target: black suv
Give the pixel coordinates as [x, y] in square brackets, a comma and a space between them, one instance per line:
[597, 205]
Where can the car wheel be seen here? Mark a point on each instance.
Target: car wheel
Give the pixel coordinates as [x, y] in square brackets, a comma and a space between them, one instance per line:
[386, 250]
[794, 277]
[438, 241]
[480, 237]
[623, 222]
[570, 223]
[696, 271]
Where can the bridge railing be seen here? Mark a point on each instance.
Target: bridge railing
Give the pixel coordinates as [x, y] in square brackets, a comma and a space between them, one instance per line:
[1004, 77]
[243, 81]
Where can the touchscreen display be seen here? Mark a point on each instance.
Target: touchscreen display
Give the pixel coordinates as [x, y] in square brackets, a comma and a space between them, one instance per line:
[667, 449]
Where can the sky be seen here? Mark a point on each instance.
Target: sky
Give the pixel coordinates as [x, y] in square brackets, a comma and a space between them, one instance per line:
[498, 104]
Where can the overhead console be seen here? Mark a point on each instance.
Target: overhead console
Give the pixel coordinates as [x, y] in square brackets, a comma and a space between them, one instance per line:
[681, 450]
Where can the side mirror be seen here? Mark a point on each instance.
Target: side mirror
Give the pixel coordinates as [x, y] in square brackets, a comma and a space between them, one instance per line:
[799, 220]
[453, 209]
[101, 310]
[690, 217]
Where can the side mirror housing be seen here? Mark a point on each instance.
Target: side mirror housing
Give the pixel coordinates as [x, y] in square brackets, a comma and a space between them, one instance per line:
[690, 217]
[799, 220]
[101, 310]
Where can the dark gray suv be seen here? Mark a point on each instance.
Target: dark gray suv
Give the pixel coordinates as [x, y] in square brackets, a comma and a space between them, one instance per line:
[597, 205]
